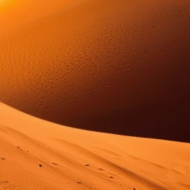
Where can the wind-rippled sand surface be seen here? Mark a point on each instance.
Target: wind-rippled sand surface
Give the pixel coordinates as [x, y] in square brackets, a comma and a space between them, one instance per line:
[36, 154]
[98, 64]
[116, 66]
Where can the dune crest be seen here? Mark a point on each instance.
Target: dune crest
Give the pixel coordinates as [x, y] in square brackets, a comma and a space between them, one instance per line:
[44, 155]
[114, 66]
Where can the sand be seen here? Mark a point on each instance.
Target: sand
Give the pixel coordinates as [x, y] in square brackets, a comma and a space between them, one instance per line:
[36, 154]
[115, 66]
[97, 64]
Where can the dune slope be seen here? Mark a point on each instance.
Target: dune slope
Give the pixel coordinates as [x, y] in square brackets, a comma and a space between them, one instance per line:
[36, 154]
[100, 64]
[16, 14]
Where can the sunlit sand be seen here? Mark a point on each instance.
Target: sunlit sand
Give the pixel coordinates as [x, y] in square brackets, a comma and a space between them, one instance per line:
[36, 154]
[102, 65]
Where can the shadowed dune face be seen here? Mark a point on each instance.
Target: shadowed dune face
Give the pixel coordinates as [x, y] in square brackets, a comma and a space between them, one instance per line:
[112, 66]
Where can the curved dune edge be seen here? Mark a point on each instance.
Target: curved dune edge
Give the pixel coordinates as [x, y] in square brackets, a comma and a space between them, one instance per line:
[78, 159]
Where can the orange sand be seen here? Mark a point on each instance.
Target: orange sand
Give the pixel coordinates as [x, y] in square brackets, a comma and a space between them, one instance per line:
[93, 64]
[78, 159]
[73, 60]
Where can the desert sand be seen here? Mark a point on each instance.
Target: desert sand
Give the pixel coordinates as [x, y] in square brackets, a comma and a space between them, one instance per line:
[37, 154]
[114, 66]
[95, 64]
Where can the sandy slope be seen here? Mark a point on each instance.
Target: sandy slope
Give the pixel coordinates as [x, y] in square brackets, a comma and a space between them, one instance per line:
[68, 58]
[16, 14]
[94, 64]
[77, 159]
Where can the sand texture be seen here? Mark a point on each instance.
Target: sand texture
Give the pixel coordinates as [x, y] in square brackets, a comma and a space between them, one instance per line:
[36, 154]
[117, 66]
[95, 64]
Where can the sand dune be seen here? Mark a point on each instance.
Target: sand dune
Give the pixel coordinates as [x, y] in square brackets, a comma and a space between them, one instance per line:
[97, 64]
[17, 14]
[114, 66]
[43, 155]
